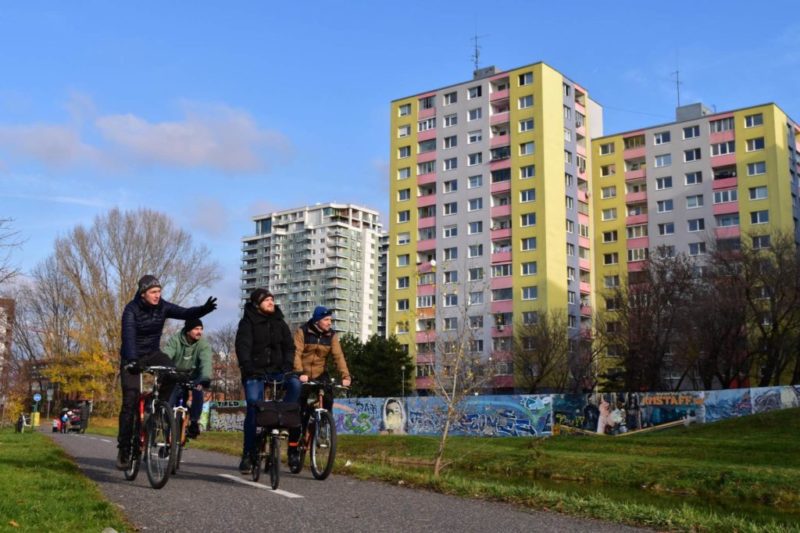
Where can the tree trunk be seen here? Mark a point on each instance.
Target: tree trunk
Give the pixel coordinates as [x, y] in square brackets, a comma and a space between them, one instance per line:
[437, 466]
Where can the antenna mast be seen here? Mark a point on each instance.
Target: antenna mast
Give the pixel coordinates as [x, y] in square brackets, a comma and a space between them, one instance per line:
[677, 75]
[476, 54]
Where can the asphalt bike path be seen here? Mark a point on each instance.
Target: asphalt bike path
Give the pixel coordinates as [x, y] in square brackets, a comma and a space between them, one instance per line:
[208, 494]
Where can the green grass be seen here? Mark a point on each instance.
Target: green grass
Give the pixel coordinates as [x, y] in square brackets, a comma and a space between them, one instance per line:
[41, 489]
[736, 475]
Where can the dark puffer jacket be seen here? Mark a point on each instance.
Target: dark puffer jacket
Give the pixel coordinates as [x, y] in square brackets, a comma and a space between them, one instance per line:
[264, 343]
[142, 325]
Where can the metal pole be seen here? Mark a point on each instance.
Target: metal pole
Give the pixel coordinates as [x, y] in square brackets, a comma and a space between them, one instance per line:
[403, 369]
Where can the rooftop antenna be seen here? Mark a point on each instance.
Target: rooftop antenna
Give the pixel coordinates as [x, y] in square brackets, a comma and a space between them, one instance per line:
[476, 53]
[678, 83]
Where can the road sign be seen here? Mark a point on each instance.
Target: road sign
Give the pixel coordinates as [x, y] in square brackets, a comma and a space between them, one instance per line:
[37, 397]
[49, 394]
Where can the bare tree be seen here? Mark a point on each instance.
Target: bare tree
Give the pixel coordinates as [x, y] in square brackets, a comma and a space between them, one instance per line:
[541, 353]
[9, 241]
[226, 381]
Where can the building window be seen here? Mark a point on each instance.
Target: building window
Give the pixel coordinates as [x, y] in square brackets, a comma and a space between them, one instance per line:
[403, 173]
[727, 147]
[757, 168]
[663, 160]
[426, 124]
[402, 304]
[525, 79]
[528, 219]
[450, 186]
[760, 241]
[661, 137]
[759, 217]
[403, 238]
[475, 181]
[403, 152]
[450, 300]
[758, 193]
[404, 110]
[474, 136]
[608, 170]
[476, 322]
[426, 146]
[755, 144]
[450, 98]
[403, 282]
[403, 194]
[717, 126]
[474, 92]
[450, 142]
[607, 148]
[429, 167]
[426, 301]
[666, 228]
[475, 204]
[567, 157]
[611, 281]
[610, 236]
[664, 206]
[611, 258]
[526, 125]
[403, 216]
[692, 154]
[690, 132]
[449, 232]
[664, 183]
[450, 324]
[694, 201]
[726, 221]
[530, 293]
[693, 178]
[525, 101]
[528, 244]
[609, 213]
[475, 274]
[751, 121]
[529, 268]
[450, 120]
[697, 248]
[474, 114]
[451, 163]
[526, 148]
[727, 196]
[451, 276]
[501, 271]
[427, 102]
[403, 260]
[527, 195]
[475, 227]
[696, 224]
[404, 131]
[475, 298]
[450, 254]
[527, 171]
[450, 208]
[475, 159]
[502, 294]
[637, 254]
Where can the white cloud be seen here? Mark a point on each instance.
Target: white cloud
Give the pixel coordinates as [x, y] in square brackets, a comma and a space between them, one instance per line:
[52, 145]
[209, 216]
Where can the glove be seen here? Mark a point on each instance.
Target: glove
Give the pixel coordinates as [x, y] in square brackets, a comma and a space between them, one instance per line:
[134, 367]
[210, 305]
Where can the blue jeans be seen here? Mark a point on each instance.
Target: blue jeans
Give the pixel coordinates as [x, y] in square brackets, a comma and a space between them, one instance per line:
[254, 393]
[197, 401]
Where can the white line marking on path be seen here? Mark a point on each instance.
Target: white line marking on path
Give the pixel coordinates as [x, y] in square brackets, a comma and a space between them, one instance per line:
[280, 492]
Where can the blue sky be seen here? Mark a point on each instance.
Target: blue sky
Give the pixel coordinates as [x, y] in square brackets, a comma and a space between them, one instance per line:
[214, 112]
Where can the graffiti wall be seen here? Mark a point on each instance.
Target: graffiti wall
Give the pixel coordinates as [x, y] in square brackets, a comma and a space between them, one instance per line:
[536, 415]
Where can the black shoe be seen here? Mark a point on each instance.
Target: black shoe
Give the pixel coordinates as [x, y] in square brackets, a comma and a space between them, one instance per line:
[123, 459]
[193, 431]
[293, 455]
[246, 464]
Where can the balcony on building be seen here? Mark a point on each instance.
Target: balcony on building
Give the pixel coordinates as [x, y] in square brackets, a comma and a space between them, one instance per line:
[501, 226]
[501, 251]
[498, 89]
[724, 176]
[636, 214]
[499, 112]
[634, 146]
[635, 169]
[499, 154]
[580, 123]
[726, 160]
[426, 216]
[501, 180]
[500, 135]
[727, 232]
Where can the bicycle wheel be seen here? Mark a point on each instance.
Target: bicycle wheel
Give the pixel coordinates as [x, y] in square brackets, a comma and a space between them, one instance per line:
[323, 446]
[179, 421]
[159, 445]
[274, 461]
[136, 451]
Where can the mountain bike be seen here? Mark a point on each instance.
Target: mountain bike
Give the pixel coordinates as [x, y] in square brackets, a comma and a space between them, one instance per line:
[273, 418]
[153, 432]
[318, 434]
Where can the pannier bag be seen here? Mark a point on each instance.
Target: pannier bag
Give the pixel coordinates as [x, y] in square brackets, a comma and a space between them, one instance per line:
[277, 415]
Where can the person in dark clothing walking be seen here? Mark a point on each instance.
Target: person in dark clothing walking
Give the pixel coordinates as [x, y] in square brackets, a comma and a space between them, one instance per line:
[142, 324]
[265, 350]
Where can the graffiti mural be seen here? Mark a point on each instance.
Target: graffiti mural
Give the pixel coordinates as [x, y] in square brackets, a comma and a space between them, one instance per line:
[766, 399]
[729, 403]
[358, 416]
[226, 416]
[623, 412]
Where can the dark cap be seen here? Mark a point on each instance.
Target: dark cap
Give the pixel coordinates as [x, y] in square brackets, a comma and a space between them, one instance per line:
[320, 312]
[146, 283]
[190, 324]
[259, 295]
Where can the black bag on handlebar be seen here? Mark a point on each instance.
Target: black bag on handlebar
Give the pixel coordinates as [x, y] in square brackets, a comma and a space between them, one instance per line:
[277, 415]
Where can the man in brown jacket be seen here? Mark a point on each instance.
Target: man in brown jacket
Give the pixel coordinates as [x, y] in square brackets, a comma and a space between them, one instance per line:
[314, 342]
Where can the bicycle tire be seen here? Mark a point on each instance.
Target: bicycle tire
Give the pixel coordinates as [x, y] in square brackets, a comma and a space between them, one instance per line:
[257, 456]
[274, 461]
[323, 447]
[179, 421]
[136, 450]
[159, 447]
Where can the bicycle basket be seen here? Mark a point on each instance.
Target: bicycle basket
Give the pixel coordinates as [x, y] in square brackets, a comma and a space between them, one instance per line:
[277, 415]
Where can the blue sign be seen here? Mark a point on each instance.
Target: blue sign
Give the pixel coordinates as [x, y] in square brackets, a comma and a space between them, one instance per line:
[37, 397]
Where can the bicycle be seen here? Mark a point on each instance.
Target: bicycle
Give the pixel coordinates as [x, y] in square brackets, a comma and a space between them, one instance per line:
[318, 433]
[181, 414]
[273, 417]
[153, 431]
